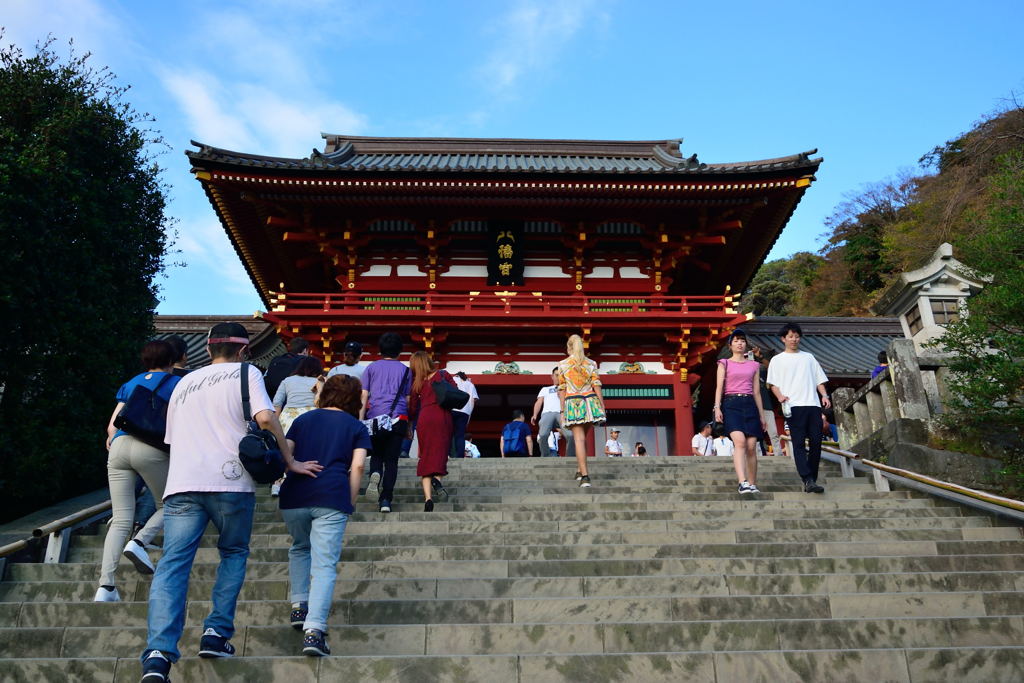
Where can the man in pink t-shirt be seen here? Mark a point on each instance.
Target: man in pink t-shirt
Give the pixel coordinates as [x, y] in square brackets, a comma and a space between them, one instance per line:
[206, 483]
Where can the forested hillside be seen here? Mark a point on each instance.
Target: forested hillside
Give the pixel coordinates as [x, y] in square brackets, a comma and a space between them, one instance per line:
[892, 226]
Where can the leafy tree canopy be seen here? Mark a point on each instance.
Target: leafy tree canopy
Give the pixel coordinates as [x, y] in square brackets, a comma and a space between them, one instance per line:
[986, 402]
[82, 239]
[892, 226]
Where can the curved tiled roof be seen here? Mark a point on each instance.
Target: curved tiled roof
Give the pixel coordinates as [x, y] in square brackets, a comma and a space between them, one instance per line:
[845, 347]
[362, 154]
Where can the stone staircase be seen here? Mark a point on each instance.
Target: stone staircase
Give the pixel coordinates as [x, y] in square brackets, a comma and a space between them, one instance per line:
[661, 572]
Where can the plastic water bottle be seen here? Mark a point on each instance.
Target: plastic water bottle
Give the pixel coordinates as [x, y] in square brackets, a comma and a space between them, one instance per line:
[787, 410]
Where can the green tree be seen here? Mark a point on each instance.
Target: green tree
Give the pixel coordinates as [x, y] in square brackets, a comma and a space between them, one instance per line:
[82, 238]
[987, 381]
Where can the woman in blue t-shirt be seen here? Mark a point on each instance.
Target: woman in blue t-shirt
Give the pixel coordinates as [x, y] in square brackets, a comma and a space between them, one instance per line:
[316, 509]
[130, 457]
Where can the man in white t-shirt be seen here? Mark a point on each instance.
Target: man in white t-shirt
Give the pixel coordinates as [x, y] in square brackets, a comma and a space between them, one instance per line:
[460, 416]
[701, 443]
[612, 447]
[350, 362]
[798, 382]
[548, 410]
[206, 482]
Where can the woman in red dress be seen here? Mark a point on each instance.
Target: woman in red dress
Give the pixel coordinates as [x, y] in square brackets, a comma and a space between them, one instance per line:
[433, 426]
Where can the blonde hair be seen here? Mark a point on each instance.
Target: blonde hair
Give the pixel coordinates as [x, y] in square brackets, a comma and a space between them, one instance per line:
[575, 348]
[422, 365]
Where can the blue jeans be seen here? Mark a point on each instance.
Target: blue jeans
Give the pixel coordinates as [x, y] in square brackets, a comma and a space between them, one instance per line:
[459, 423]
[316, 534]
[185, 518]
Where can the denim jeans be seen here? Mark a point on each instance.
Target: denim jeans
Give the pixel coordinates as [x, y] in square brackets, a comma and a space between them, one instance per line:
[548, 423]
[459, 423]
[185, 518]
[316, 534]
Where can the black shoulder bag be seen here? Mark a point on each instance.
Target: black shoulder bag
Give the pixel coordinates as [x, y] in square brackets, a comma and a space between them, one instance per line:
[448, 397]
[144, 415]
[258, 450]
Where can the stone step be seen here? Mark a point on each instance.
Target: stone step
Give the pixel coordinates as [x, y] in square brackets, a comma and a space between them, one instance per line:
[456, 526]
[564, 538]
[534, 639]
[136, 588]
[912, 665]
[554, 610]
[609, 551]
[572, 568]
[660, 572]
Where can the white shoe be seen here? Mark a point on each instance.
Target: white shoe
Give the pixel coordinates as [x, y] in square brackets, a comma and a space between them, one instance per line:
[136, 552]
[104, 595]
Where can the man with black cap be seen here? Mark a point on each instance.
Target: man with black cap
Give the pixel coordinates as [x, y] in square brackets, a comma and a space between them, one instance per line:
[350, 362]
[206, 483]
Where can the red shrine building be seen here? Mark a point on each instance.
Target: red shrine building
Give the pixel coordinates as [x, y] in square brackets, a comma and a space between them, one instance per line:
[489, 253]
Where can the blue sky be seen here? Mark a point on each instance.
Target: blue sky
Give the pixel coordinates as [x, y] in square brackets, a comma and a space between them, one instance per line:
[873, 85]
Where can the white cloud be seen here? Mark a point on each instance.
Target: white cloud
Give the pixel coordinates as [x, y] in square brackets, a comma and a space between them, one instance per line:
[254, 117]
[27, 22]
[205, 247]
[530, 37]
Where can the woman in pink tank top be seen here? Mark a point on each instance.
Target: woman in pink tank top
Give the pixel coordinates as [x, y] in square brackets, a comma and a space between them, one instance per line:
[738, 405]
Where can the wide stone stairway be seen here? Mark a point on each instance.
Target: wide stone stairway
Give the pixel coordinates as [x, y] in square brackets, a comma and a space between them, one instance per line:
[661, 572]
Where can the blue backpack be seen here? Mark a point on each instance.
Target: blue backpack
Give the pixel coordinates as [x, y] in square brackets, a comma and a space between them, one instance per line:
[513, 437]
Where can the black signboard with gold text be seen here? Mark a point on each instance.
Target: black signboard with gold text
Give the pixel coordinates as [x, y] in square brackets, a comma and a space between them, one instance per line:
[505, 251]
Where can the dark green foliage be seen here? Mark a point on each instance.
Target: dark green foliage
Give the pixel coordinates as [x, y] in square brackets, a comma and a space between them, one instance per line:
[987, 386]
[779, 284]
[82, 237]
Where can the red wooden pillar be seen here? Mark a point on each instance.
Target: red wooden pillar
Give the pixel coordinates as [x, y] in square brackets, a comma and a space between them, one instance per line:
[683, 409]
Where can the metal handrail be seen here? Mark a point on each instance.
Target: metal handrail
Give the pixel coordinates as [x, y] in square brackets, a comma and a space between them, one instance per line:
[58, 531]
[12, 548]
[983, 500]
[71, 520]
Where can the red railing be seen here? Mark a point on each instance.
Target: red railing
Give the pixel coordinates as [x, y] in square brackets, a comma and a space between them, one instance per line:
[499, 305]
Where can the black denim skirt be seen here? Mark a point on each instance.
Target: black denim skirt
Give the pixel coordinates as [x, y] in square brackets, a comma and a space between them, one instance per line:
[740, 415]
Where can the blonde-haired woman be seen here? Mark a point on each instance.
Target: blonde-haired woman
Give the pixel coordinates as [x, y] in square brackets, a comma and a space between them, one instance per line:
[579, 390]
[433, 426]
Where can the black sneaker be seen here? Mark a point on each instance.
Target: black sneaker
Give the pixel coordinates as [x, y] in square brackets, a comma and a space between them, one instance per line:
[579, 475]
[156, 668]
[439, 488]
[428, 506]
[385, 505]
[314, 643]
[811, 486]
[213, 644]
[584, 481]
[298, 615]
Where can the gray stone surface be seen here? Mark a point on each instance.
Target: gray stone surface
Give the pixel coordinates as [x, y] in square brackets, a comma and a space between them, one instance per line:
[661, 573]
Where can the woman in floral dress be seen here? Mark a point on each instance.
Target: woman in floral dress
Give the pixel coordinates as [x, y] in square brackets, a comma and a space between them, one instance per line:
[579, 390]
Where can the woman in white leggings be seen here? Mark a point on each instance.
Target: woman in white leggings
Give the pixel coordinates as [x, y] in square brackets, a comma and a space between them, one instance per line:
[130, 457]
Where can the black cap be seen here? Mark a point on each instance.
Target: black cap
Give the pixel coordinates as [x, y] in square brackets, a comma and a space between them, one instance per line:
[353, 347]
[228, 333]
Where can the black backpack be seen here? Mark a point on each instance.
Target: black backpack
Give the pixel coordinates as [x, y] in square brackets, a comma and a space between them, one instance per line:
[278, 370]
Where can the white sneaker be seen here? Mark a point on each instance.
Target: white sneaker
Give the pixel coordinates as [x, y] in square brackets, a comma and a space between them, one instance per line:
[136, 552]
[104, 595]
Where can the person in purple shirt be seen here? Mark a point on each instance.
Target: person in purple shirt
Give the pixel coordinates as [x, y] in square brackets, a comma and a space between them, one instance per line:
[883, 365]
[386, 386]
